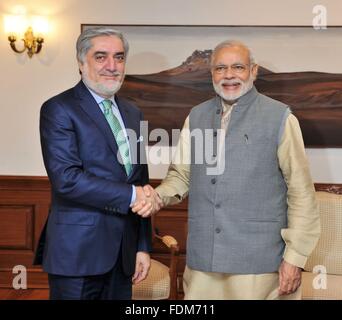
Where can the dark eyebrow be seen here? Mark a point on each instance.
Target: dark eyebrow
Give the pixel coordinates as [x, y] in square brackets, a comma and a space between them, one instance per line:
[121, 53]
[100, 52]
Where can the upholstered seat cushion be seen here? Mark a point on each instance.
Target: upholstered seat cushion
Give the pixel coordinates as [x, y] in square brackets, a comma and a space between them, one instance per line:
[157, 284]
[327, 256]
[328, 251]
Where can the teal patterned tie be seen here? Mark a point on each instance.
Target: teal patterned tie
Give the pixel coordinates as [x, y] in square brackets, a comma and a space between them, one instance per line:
[118, 134]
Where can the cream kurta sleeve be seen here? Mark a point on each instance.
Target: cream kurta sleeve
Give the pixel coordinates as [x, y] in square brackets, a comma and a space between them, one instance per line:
[303, 229]
[175, 187]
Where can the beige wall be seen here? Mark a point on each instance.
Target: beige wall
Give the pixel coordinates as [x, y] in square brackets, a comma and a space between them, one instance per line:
[26, 83]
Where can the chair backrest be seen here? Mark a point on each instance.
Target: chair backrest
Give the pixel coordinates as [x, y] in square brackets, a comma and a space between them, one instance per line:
[327, 256]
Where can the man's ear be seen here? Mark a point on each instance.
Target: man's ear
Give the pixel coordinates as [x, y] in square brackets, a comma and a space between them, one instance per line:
[80, 66]
[255, 69]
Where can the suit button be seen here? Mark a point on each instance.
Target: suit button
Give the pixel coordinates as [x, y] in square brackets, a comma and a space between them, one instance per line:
[213, 180]
[215, 133]
[217, 206]
[106, 208]
[217, 230]
[218, 111]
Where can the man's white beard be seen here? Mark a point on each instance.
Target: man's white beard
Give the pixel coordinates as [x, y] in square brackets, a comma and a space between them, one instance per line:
[101, 89]
[245, 87]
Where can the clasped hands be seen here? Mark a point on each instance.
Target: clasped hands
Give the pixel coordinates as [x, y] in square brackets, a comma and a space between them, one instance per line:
[147, 201]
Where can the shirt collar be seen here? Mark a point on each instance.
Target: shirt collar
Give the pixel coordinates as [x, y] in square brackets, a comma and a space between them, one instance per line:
[226, 107]
[98, 98]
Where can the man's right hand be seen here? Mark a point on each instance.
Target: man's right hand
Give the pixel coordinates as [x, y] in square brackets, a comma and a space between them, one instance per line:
[147, 201]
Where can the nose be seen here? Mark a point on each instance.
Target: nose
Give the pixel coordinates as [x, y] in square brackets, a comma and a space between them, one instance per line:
[111, 64]
[228, 73]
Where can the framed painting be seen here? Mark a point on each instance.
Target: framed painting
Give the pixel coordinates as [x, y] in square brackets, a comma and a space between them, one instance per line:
[168, 72]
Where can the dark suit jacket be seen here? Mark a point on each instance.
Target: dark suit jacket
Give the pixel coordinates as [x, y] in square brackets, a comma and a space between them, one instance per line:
[90, 217]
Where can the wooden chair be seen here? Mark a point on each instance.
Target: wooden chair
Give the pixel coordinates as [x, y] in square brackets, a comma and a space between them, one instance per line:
[161, 282]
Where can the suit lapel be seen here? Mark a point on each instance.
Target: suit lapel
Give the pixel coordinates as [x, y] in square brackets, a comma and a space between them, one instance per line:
[89, 106]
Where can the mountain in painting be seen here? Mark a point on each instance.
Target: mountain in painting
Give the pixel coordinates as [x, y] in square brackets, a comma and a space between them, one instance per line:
[167, 97]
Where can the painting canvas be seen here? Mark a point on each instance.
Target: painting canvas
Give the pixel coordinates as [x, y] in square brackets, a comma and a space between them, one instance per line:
[168, 72]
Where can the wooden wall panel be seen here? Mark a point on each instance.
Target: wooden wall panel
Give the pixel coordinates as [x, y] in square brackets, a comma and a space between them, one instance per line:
[24, 205]
[36, 278]
[16, 227]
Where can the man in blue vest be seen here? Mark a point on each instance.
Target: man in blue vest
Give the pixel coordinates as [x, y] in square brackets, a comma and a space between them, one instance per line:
[253, 224]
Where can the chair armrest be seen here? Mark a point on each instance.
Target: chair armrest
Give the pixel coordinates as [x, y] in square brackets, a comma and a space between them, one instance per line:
[169, 241]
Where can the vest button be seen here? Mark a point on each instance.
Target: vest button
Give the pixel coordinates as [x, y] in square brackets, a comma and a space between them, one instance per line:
[213, 180]
[217, 206]
[218, 230]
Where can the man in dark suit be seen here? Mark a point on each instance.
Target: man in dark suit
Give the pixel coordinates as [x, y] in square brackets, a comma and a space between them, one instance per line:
[93, 245]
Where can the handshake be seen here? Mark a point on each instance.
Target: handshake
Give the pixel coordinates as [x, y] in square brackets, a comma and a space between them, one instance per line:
[147, 201]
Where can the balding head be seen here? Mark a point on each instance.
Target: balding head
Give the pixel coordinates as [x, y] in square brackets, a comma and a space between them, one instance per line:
[230, 44]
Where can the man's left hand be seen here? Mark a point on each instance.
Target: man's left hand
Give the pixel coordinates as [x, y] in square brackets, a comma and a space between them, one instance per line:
[290, 277]
[142, 267]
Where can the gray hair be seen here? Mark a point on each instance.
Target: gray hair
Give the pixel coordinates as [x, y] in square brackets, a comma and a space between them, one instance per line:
[229, 44]
[83, 43]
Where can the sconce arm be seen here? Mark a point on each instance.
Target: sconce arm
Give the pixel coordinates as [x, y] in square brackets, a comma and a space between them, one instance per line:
[39, 41]
[12, 40]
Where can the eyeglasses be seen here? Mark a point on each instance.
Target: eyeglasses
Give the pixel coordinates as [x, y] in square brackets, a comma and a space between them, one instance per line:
[236, 68]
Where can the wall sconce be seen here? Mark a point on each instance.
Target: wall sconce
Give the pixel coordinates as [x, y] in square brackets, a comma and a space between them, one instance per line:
[17, 26]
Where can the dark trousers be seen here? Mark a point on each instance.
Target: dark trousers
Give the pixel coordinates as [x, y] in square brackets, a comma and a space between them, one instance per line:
[113, 285]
